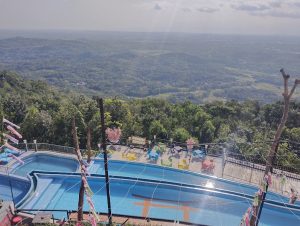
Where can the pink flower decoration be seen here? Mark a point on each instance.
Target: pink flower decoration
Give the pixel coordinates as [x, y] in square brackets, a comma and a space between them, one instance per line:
[190, 143]
[113, 135]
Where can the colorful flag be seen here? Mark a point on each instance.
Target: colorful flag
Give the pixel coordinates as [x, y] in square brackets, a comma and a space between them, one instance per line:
[10, 123]
[15, 132]
[12, 139]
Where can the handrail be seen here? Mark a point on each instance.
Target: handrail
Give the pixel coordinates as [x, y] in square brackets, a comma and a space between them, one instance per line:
[214, 150]
[261, 167]
[48, 147]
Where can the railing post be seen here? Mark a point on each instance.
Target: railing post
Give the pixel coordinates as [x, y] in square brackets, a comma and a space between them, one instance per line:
[35, 145]
[26, 147]
[223, 161]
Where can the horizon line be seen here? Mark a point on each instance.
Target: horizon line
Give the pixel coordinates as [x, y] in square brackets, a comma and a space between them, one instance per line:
[143, 32]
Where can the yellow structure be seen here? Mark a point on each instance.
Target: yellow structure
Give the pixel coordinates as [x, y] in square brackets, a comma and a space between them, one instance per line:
[182, 164]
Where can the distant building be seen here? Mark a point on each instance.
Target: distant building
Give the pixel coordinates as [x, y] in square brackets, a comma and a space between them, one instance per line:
[80, 83]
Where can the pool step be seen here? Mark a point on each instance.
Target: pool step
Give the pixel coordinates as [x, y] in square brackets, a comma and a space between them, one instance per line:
[31, 201]
[51, 191]
[58, 195]
[43, 187]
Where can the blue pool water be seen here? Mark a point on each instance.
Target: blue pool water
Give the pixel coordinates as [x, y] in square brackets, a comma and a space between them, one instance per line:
[155, 172]
[19, 187]
[45, 162]
[186, 199]
[165, 201]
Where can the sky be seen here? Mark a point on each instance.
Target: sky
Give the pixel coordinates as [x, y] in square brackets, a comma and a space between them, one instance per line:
[259, 17]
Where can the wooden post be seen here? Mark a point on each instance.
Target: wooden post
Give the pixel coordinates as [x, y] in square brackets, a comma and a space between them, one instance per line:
[101, 108]
[81, 191]
[286, 97]
[272, 153]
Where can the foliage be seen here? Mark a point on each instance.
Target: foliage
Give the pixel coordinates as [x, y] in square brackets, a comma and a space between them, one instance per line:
[181, 135]
[45, 114]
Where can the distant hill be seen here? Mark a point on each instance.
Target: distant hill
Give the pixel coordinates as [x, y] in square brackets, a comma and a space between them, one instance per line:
[177, 67]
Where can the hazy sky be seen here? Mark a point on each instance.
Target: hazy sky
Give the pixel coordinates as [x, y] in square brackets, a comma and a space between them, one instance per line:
[204, 16]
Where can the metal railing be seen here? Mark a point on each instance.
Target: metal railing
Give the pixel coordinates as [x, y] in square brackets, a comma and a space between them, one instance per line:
[259, 167]
[47, 147]
[213, 149]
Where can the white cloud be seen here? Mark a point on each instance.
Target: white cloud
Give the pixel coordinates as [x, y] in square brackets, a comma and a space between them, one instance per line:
[207, 10]
[207, 16]
[250, 7]
[270, 8]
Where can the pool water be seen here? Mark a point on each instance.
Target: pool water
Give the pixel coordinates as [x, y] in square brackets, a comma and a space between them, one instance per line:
[168, 194]
[153, 200]
[45, 162]
[19, 188]
[155, 172]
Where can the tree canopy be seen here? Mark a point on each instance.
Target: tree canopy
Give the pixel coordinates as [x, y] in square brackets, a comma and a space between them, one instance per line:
[45, 114]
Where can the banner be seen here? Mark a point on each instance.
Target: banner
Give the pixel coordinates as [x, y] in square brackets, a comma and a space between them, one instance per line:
[12, 139]
[15, 132]
[10, 123]
[11, 147]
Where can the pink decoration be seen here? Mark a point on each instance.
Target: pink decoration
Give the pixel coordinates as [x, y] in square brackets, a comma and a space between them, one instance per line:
[11, 147]
[10, 123]
[84, 169]
[190, 143]
[247, 217]
[93, 221]
[84, 180]
[88, 191]
[254, 211]
[15, 132]
[113, 135]
[12, 139]
[16, 158]
[90, 202]
[260, 191]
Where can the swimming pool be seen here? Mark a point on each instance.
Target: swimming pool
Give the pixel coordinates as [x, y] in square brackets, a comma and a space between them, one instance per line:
[155, 172]
[178, 193]
[20, 187]
[45, 162]
[153, 200]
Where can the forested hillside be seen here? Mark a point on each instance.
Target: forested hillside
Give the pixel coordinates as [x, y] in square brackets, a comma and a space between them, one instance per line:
[44, 113]
[176, 67]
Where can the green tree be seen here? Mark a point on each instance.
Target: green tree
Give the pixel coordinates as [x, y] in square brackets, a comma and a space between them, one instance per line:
[14, 108]
[37, 125]
[181, 135]
[156, 128]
